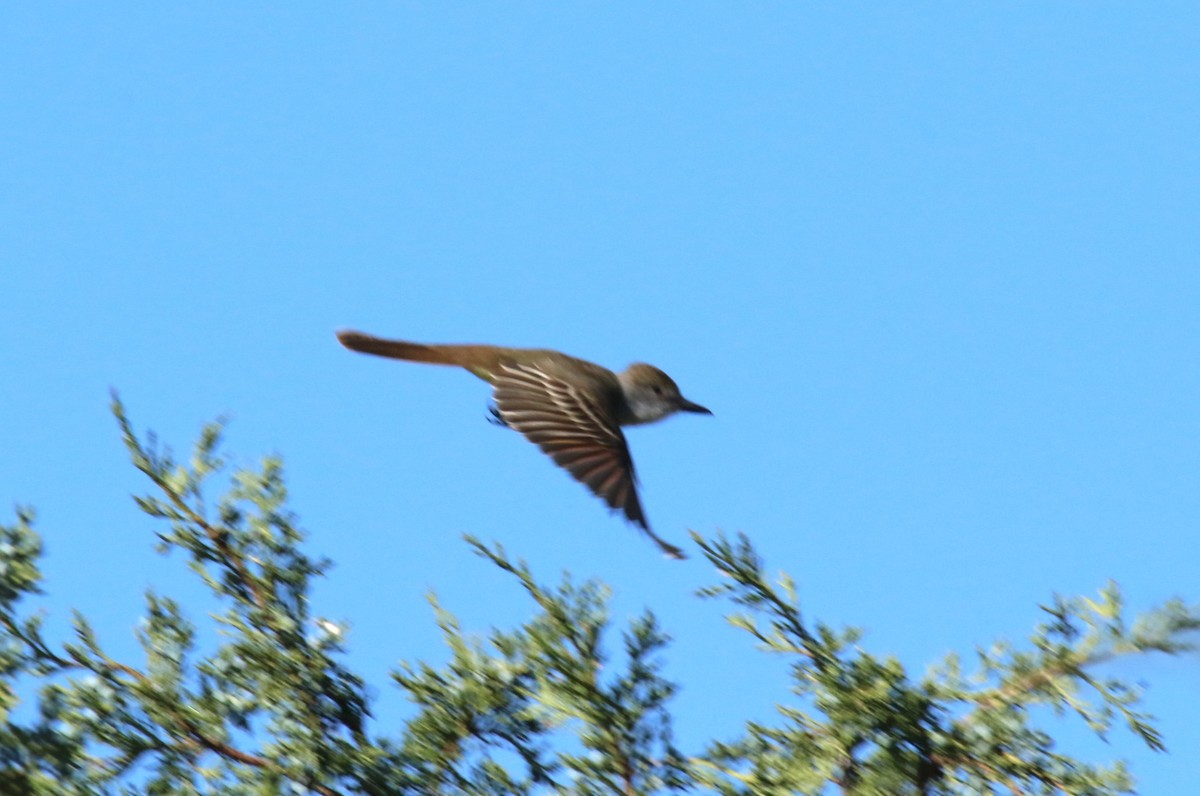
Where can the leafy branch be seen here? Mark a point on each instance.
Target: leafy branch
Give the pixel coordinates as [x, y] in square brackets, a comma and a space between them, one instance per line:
[554, 705]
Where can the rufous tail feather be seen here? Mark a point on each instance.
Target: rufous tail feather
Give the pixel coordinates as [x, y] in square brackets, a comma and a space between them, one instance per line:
[400, 349]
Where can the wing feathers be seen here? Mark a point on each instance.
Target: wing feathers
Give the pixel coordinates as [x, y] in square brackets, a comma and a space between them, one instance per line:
[574, 429]
[578, 431]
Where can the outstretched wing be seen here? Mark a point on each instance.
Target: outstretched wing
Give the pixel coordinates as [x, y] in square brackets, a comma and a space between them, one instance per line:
[575, 429]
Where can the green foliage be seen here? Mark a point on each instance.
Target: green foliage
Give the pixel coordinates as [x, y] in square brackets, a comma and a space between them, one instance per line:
[546, 707]
[866, 727]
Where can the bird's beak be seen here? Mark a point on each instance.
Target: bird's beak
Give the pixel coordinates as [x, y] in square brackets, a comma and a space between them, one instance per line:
[687, 406]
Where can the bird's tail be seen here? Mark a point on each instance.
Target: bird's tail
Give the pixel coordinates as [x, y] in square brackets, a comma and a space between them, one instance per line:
[413, 352]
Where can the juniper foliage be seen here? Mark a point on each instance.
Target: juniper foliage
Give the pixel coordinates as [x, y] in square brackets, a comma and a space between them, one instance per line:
[547, 707]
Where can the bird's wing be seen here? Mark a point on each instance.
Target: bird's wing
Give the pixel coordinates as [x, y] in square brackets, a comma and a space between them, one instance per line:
[574, 429]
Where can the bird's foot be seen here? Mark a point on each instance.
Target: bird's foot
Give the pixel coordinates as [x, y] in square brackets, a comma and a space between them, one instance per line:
[496, 419]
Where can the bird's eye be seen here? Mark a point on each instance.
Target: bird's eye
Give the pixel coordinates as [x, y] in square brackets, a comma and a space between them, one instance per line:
[657, 390]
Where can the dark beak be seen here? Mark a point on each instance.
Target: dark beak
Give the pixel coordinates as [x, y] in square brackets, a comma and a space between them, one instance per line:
[687, 406]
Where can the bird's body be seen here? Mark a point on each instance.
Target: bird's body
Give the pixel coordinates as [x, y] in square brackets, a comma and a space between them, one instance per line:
[570, 408]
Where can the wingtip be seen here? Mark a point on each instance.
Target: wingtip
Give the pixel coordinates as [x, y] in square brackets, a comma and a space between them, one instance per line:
[673, 553]
[668, 550]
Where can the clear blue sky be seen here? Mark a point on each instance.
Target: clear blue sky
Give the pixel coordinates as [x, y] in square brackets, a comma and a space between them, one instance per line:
[934, 266]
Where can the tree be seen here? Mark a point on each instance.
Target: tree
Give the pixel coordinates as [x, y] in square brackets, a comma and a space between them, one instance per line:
[540, 708]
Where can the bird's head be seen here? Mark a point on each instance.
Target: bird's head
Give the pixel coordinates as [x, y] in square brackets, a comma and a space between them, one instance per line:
[652, 395]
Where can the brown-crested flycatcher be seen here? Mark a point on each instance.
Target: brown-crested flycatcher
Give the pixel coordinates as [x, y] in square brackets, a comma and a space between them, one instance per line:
[570, 408]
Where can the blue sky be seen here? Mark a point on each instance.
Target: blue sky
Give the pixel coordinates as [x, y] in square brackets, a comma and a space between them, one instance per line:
[933, 266]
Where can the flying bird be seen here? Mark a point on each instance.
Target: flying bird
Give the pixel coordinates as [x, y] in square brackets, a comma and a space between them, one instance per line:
[570, 408]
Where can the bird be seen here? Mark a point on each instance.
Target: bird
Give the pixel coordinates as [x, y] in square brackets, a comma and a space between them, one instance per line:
[572, 409]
